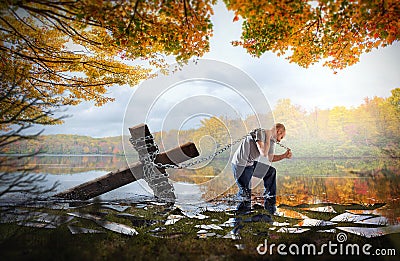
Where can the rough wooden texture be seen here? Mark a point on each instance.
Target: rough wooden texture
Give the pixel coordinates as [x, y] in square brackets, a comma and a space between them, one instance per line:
[140, 131]
[145, 146]
[103, 184]
[125, 176]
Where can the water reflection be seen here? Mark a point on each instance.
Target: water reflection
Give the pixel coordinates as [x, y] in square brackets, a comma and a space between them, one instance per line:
[299, 181]
[349, 181]
[72, 164]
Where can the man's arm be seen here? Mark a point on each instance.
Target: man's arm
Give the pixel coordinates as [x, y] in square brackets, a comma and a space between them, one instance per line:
[286, 155]
[263, 147]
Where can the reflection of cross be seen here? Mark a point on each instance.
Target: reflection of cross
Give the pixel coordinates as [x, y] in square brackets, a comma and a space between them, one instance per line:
[119, 178]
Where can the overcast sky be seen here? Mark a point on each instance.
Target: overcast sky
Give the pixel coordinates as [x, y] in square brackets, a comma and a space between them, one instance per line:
[375, 75]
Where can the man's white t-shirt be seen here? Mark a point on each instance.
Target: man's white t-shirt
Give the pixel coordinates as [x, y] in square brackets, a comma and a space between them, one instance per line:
[248, 151]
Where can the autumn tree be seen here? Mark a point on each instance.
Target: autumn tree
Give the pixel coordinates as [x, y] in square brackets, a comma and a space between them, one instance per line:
[216, 128]
[57, 53]
[394, 100]
[66, 52]
[335, 32]
[15, 177]
[293, 117]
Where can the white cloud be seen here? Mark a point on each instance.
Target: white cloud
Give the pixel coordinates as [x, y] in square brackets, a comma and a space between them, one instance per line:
[375, 75]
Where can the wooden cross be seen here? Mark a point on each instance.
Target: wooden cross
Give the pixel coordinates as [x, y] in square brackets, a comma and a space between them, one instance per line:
[125, 176]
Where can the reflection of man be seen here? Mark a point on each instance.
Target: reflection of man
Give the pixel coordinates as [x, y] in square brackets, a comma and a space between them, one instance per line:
[245, 163]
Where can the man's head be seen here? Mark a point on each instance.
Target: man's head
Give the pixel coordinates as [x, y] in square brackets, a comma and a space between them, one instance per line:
[278, 131]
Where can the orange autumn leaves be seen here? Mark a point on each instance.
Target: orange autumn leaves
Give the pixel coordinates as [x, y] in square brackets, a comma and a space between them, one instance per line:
[307, 32]
[147, 29]
[57, 53]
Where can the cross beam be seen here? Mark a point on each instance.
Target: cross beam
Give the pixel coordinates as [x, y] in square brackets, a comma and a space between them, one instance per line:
[125, 176]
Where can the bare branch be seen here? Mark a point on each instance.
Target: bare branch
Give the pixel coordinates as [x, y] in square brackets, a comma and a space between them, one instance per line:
[135, 10]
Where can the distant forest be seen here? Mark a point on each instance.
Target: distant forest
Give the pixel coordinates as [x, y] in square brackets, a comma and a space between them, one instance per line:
[67, 144]
[371, 129]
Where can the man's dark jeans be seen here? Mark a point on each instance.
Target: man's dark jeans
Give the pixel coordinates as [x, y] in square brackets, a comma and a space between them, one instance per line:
[243, 177]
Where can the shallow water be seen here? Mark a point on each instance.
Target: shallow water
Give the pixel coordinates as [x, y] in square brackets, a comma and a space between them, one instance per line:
[316, 199]
[300, 181]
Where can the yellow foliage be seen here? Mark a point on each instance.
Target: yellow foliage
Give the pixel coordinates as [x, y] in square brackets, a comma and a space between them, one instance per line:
[335, 32]
[62, 53]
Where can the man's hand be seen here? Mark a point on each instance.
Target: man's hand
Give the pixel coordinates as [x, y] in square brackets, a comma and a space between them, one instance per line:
[288, 154]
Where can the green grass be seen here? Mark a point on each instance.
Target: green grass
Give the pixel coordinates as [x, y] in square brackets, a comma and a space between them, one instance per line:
[24, 243]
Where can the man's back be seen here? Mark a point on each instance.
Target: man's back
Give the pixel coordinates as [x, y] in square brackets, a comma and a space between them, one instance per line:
[248, 151]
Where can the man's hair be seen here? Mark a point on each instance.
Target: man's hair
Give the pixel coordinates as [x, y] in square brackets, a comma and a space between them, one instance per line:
[280, 126]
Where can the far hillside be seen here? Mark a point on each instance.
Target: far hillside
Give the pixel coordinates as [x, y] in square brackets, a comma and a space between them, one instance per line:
[67, 144]
[369, 130]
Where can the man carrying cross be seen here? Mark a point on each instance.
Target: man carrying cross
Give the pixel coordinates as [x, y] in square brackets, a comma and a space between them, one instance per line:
[245, 163]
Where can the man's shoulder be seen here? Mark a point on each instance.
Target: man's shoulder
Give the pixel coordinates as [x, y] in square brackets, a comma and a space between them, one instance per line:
[258, 134]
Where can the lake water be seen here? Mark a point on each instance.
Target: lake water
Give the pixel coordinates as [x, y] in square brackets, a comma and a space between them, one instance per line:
[310, 181]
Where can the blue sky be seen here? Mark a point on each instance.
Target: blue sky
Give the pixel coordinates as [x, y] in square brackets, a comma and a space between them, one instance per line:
[375, 75]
